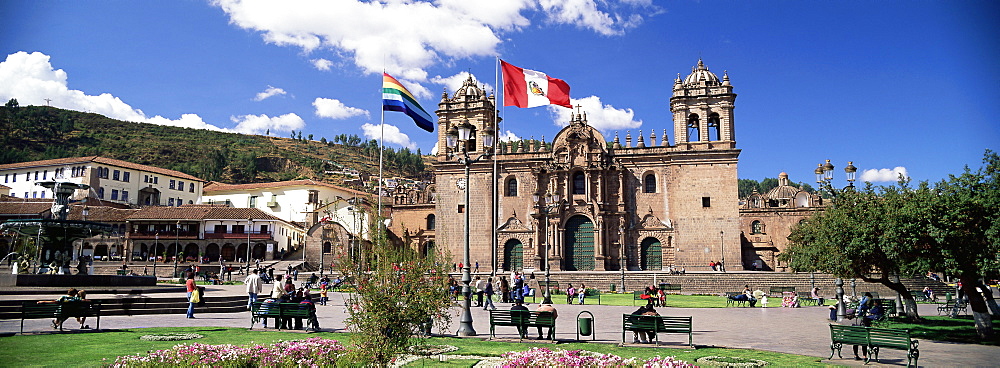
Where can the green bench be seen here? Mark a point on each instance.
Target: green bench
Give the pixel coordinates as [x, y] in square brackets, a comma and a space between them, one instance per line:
[733, 302]
[279, 312]
[873, 339]
[657, 325]
[778, 291]
[805, 298]
[522, 320]
[956, 305]
[35, 310]
[592, 294]
[670, 288]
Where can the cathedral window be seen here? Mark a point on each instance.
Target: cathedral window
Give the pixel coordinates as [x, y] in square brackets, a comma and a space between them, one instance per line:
[579, 183]
[756, 227]
[693, 128]
[649, 183]
[706, 201]
[512, 187]
[714, 126]
[431, 222]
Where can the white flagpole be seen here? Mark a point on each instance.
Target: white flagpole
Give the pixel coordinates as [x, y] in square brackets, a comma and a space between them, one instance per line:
[496, 168]
[381, 138]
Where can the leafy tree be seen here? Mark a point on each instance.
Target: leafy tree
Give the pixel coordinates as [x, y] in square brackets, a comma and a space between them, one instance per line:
[310, 137]
[322, 140]
[12, 104]
[880, 234]
[386, 326]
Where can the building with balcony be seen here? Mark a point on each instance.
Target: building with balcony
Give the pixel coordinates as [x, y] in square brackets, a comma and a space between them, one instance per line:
[111, 180]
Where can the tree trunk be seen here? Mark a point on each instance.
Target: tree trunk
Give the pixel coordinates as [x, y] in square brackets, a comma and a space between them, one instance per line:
[981, 315]
[910, 305]
[990, 301]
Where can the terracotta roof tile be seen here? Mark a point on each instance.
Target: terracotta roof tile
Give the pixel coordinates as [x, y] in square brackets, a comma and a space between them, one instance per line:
[198, 213]
[13, 206]
[100, 160]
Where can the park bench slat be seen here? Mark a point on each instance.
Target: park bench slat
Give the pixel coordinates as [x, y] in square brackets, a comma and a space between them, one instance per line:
[35, 310]
[277, 311]
[657, 324]
[872, 339]
[522, 320]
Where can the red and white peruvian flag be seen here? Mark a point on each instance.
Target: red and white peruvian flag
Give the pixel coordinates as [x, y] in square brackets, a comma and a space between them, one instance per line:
[529, 88]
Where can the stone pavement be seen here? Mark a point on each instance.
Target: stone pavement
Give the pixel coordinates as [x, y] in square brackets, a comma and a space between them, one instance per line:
[802, 331]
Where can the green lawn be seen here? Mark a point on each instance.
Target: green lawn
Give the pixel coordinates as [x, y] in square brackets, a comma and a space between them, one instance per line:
[677, 301]
[944, 328]
[95, 349]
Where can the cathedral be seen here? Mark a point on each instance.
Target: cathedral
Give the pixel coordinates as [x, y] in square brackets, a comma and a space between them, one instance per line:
[583, 202]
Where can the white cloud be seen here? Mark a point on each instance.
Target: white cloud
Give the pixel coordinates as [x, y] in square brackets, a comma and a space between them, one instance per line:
[271, 91]
[404, 37]
[603, 117]
[508, 136]
[392, 135]
[322, 64]
[334, 109]
[31, 79]
[453, 83]
[259, 124]
[884, 175]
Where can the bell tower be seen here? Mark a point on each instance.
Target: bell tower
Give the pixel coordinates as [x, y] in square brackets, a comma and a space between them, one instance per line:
[703, 109]
[469, 105]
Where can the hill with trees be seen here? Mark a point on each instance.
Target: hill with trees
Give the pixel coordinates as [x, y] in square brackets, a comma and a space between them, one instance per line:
[40, 132]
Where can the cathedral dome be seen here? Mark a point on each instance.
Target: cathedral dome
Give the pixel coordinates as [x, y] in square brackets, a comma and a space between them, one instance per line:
[701, 74]
[783, 190]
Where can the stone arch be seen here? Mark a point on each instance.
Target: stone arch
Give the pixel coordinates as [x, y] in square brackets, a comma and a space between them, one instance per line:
[651, 254]
[228, 253]
[714, 127]
[649, 182]
[513, 255]
[579, 240]
[213, 252]
[191, 251]
[101, 250]
[510, 186]
[693, 128]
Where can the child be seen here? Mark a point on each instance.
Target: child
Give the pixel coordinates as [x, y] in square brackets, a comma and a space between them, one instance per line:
[323, 295]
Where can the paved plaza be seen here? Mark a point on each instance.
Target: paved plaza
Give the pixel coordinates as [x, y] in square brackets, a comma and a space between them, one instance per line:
[802, 331]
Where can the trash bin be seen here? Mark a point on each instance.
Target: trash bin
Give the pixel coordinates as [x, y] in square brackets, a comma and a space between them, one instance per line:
[585, 325]
[612, 288]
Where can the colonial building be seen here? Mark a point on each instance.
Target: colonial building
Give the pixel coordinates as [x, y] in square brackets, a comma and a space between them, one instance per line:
[113, 181]
[766, 221]
[644, 204]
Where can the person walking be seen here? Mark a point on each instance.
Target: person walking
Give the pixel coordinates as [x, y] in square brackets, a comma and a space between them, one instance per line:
[254, 287]
[488, 294]
[192, 290]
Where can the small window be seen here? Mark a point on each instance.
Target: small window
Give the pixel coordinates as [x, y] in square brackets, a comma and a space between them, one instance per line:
[100, 192]
[173, 184]
[706, 201]
[461, 208]
[191, 188]
[34, 194]
[431, 222]
[579, 183]
[45, 176]
[253, 201]
[649, 184]
[125, 176]
[117, 175]
[756, 227]
[512, 187]
[124, 196]
[170, 202]
[43, 194]
[180, 186]
[114, 194]
[180, 201]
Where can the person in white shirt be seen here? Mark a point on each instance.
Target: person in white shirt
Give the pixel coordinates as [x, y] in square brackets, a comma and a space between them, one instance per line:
[254, 286]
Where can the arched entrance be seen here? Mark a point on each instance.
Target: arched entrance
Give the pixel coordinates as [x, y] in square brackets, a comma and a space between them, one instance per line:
[191, 252]
[212, 252]
[579, 244]
[101, 251]
[651, 255]
[259, 251]
[513, 255]
[229, 253]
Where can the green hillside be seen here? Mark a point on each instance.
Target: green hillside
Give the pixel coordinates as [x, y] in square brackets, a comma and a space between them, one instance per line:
[29, 133]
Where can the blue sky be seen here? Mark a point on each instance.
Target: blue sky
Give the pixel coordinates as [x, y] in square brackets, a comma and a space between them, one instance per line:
[907, 86]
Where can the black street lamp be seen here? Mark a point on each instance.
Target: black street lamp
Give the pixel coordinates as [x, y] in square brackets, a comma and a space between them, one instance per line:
[156, 246]
[824, 177]
[177, 238]
[249, 230]
[722, 242]
[552, 201]
[460, 136]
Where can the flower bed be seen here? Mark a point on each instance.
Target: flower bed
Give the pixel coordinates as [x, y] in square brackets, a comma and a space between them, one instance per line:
[718, 361]
[302, 353]
[542, 357]
[170, 337]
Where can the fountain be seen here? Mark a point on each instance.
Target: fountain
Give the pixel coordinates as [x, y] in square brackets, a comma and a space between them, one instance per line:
[54, 239]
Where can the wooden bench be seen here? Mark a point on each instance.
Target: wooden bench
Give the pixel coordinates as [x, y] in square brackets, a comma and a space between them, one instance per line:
[592, 294]
[657, 325]
[956, 305]
[778, 291]
[873, 339]
[637, 295]
[65, 310]
[277, 311]
[805, 298]
[522, 320]
[670, 288]
[731, 302]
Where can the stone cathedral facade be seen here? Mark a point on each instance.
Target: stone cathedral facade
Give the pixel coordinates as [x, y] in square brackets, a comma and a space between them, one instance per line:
[643, 204]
